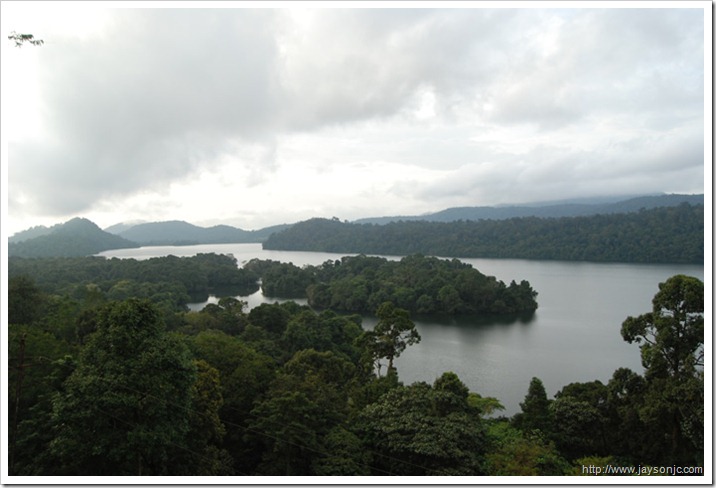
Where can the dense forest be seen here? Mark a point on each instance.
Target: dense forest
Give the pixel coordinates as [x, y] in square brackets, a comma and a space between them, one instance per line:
[660, 235]
[178, 280]
[419, 284]
[110, 375]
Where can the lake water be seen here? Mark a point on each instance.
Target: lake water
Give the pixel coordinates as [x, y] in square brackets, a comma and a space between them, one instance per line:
[573, 337]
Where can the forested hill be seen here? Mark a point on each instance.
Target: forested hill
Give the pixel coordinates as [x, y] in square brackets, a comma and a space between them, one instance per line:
[660, 235]
[178, 232]
[76, 237]
[577, 208]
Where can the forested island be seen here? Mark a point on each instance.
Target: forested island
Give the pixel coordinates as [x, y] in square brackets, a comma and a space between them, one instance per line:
[422, 285]
[110, 374]
[658, 235]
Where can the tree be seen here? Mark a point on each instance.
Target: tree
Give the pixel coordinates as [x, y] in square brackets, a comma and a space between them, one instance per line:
[391, 335]
[578, 427]
[306, 401]
[535, 413]
[21, 39]
[344, 455]
[36, 369]
[422, 430]
[513, 452]
[271, 317]
[202, 454]
[671, 338]
[244, 376]
[672, 334]
[126, 406]
[25, 300]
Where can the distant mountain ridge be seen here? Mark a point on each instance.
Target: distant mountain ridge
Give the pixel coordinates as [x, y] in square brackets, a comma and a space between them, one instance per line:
[79, 236]
[669, 234]
[179, 232]
[76, 237]
[548, 210]
[82, 237]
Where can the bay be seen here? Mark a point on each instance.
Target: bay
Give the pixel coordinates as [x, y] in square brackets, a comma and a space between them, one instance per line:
[573, 337]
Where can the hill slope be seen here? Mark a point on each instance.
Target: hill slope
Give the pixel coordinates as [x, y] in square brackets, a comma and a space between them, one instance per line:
[76, 237]
[178, 232]
[574, 209]
[659, 235]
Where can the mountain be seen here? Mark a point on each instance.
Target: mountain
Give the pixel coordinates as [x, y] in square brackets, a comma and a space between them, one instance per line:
[76, 237]
[669, 234]
[574, 208]
[123, 226]
[178, 232]
[30, 233]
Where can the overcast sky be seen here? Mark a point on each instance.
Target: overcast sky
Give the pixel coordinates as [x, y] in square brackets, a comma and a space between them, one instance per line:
[255, 117]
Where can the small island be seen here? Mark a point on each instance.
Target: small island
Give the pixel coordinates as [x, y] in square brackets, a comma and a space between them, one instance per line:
[420, 284]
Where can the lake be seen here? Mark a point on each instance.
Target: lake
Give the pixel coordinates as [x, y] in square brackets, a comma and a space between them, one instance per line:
[573, 337]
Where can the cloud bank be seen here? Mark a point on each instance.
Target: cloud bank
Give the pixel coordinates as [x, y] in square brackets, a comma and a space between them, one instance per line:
[357, 110]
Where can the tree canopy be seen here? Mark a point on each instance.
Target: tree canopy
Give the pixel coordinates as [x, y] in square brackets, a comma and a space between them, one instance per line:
[103, 381]
[659, 235]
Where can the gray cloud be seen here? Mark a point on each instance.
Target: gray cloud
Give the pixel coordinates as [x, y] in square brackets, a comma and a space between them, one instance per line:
[159, 96]
[166, 93]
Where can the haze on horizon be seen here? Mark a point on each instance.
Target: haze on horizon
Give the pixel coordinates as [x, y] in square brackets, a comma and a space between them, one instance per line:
[260, 116]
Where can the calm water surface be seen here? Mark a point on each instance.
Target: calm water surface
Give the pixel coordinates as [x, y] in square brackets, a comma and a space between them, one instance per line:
[573, 337]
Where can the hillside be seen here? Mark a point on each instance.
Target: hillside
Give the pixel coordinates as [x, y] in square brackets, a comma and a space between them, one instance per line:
[76, 237]
[31, 233]
[177, 232]
[659, 235]
[575, 208]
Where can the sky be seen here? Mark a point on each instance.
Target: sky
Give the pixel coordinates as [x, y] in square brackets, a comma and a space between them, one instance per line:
[253, 116]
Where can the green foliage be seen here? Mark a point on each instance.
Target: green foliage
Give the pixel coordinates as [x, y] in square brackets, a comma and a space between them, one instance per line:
[203, 454]
[671, 338]
[126, 406]
[514, 452]
[581, 466]
[485, 405]
[21, 39]
[419, 284]
[343, 455]
[390, 336]
[659, 235]
[25, 300]
[536, 413]
[97, 386]
[305, 403]
[169, 282]
[38, 363]
[422, 430]
[673, 332]
[281, 279]
[326, 331]
[272, 318]
[578, 427]
[227, 316]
